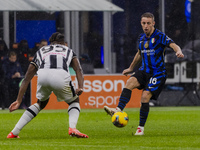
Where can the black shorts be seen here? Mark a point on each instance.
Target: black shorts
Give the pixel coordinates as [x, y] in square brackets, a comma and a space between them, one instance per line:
[151, 82]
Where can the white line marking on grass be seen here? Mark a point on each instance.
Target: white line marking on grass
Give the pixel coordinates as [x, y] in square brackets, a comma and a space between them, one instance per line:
[168, 148]
[64, 145]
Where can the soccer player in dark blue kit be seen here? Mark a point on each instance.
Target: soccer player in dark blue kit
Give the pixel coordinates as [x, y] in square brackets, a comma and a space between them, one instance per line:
[151, 76]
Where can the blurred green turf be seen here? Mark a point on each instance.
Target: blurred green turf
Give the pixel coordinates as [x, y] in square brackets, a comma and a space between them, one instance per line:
[167, 128]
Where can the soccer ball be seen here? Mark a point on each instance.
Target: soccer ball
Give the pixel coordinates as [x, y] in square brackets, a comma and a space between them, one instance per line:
[120, 119]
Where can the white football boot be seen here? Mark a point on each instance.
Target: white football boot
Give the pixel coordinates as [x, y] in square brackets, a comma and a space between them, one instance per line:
[111, 111]
[140, 131]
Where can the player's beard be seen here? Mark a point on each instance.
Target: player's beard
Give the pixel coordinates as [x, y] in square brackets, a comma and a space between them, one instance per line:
[147, 32]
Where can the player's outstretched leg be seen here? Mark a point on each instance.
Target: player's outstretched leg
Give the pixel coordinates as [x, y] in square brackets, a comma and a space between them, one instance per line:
[123, 100]
[111, 111]
[74, 111]
[27, 116]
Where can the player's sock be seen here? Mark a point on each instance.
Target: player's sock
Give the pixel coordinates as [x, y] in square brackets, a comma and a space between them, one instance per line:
[27, 116]
[73, 111]
[144, 111]
[124, 98]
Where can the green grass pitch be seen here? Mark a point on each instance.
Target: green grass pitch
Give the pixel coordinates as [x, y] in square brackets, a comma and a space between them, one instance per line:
[167, 128]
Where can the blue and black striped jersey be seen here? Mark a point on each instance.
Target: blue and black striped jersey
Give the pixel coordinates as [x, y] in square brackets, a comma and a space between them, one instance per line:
[153, 50]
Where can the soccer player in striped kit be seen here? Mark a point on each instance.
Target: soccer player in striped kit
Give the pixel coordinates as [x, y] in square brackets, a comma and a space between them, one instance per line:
[51, 63]
[151, 76]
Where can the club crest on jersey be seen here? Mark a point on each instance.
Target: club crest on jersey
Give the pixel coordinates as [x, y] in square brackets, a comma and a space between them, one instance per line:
[146, 45]
[152, 40]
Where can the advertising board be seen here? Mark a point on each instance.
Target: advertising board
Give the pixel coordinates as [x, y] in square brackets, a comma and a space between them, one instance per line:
[99, 90]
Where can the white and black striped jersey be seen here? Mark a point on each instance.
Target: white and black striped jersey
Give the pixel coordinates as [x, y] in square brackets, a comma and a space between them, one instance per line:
[53, 57]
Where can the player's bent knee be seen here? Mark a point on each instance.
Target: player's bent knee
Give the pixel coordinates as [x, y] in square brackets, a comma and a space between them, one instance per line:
[132, 83]
[76, 100]
[146, 95]
[42, 104]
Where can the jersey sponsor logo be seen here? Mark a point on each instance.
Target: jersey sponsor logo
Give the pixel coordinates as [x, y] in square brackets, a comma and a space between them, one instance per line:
[148, 51]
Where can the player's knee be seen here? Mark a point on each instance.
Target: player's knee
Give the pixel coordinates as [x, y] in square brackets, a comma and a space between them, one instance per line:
[146, 95]
[76, 100]
[132, 83]
[42, 104]
[145, 100]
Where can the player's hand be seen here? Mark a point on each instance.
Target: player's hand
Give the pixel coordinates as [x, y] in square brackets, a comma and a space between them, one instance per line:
[15, 105]
[127, 71]
[79, 91]
[179, 54]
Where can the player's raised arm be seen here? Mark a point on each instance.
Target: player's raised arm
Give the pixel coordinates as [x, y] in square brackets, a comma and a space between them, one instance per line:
[177, 49]
[137, 59]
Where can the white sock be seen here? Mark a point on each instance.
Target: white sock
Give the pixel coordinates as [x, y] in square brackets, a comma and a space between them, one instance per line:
[73, 111]
[27, 116]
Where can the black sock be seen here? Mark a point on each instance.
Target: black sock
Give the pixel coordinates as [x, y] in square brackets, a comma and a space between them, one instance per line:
[124, 98]
[144, 111]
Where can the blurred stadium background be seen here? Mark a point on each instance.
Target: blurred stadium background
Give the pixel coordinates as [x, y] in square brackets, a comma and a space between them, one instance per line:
[104, 35]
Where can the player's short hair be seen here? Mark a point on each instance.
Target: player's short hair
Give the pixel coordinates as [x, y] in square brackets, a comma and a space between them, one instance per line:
[57, 38]
[148, 15]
